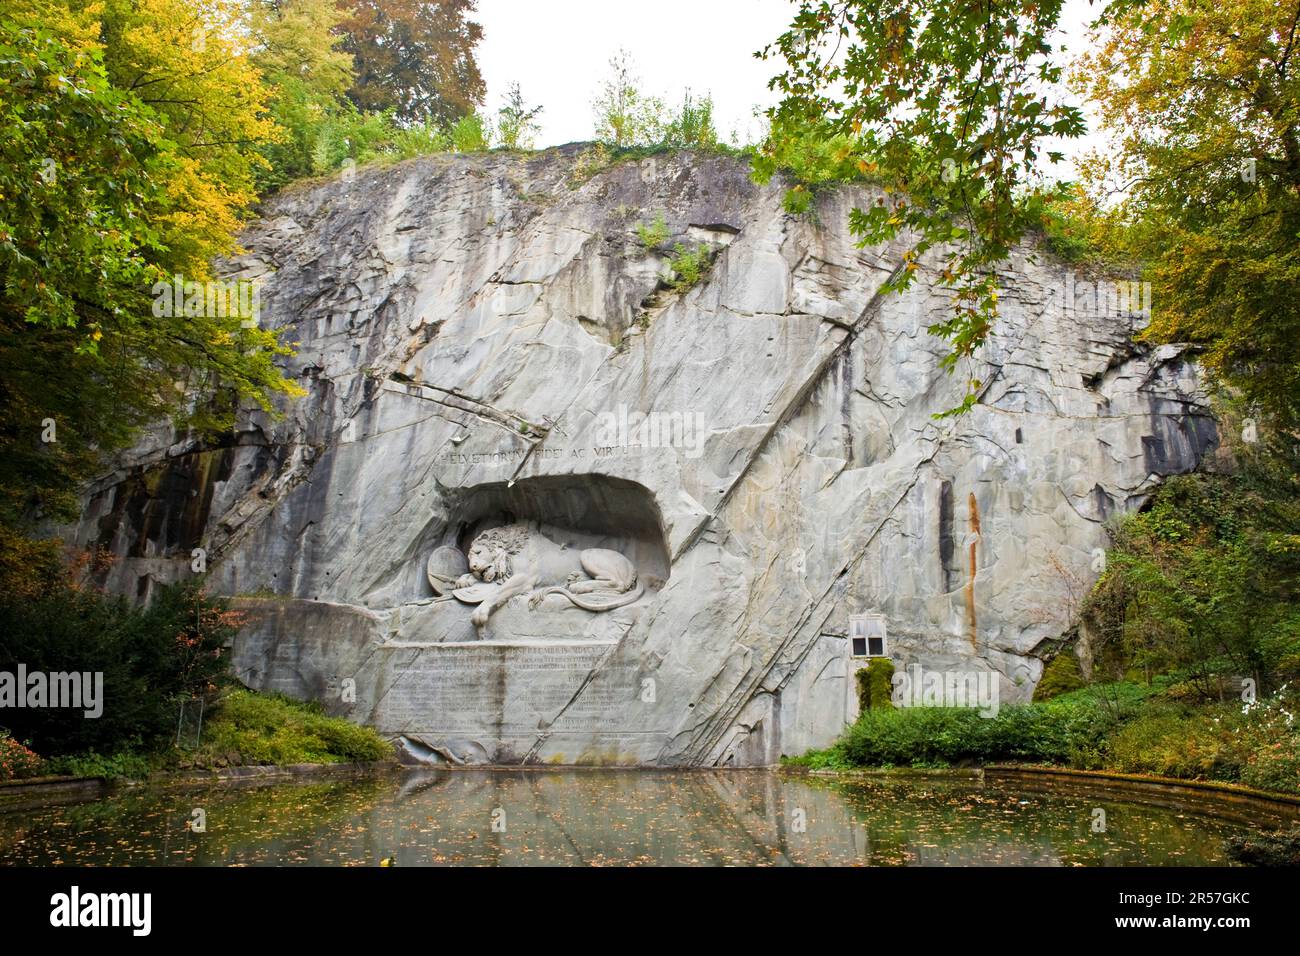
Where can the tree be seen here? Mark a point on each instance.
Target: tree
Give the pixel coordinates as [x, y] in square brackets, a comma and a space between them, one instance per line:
[626, 116]
[1206, 126]
[80, 166]
[414, 57]
[298, 51]
[1204, 581]
[808, 154]
[692, 126]
[187, 60]
[948, 103]
[516, 124]
[102, 201]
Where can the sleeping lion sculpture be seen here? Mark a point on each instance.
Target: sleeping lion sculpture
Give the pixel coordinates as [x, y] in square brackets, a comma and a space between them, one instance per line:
[518, 559]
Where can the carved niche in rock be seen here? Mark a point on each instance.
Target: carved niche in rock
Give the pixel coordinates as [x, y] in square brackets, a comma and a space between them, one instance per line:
[515, 559]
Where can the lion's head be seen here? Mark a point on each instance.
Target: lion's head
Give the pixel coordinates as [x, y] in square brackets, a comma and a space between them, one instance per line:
[491, 551]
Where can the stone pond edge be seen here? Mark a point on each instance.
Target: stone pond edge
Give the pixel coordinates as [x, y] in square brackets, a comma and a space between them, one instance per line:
[34, 791]
[1135, 782]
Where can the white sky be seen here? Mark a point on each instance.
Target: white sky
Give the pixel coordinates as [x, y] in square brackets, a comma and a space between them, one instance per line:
[559, 52]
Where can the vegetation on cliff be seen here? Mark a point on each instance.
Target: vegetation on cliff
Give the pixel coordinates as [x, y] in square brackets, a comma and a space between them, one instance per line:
[1203, 583]
[954, 106]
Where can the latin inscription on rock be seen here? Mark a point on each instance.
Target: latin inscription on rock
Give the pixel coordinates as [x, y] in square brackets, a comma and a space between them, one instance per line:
[497, 688]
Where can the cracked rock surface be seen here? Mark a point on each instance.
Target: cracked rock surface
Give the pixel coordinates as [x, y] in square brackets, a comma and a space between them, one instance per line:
[482, 338]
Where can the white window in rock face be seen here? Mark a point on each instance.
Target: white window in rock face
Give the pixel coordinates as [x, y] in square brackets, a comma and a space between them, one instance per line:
[867, 636]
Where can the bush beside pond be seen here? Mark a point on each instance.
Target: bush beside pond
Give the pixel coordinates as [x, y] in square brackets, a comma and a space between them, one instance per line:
[273, 729]
[1120, 727]
[243, 728]
[150, 658]
[943, 736]
[16, 760]
[162, 665]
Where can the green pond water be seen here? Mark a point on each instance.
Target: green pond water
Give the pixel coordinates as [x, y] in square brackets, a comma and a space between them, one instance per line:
[617, 817]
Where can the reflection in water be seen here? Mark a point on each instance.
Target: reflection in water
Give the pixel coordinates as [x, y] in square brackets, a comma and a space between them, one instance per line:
[616, 817]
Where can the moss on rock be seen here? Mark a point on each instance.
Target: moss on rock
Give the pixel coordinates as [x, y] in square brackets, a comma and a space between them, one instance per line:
[1059, 677]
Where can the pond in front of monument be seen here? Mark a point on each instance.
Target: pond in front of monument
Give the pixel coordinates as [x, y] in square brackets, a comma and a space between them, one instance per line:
[619, 817]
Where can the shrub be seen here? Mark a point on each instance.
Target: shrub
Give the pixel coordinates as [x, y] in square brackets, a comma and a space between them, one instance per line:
[273, 729]
[1124, 727]
[516, 120]
[691, 127]
[652, 235]
[1273, 743]
[1178, 744]
[811, 156]
[687, 266]
[832, 758]
[124, 764]
[1257, 745]
[419, 139]
[351, 135]
[1203, 581]
[908, 736]
[625, 115]
[1275, 766]
[352, 742]
[150, 659]
[469, 134]
[16, 760]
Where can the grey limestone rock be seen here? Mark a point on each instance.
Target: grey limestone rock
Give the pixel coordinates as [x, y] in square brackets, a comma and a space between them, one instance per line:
[484, 340]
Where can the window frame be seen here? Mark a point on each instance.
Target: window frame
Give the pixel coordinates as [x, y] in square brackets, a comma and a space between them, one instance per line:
[867, 634]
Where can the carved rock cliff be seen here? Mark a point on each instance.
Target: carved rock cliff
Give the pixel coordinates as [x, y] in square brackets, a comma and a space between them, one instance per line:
[485, 339]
